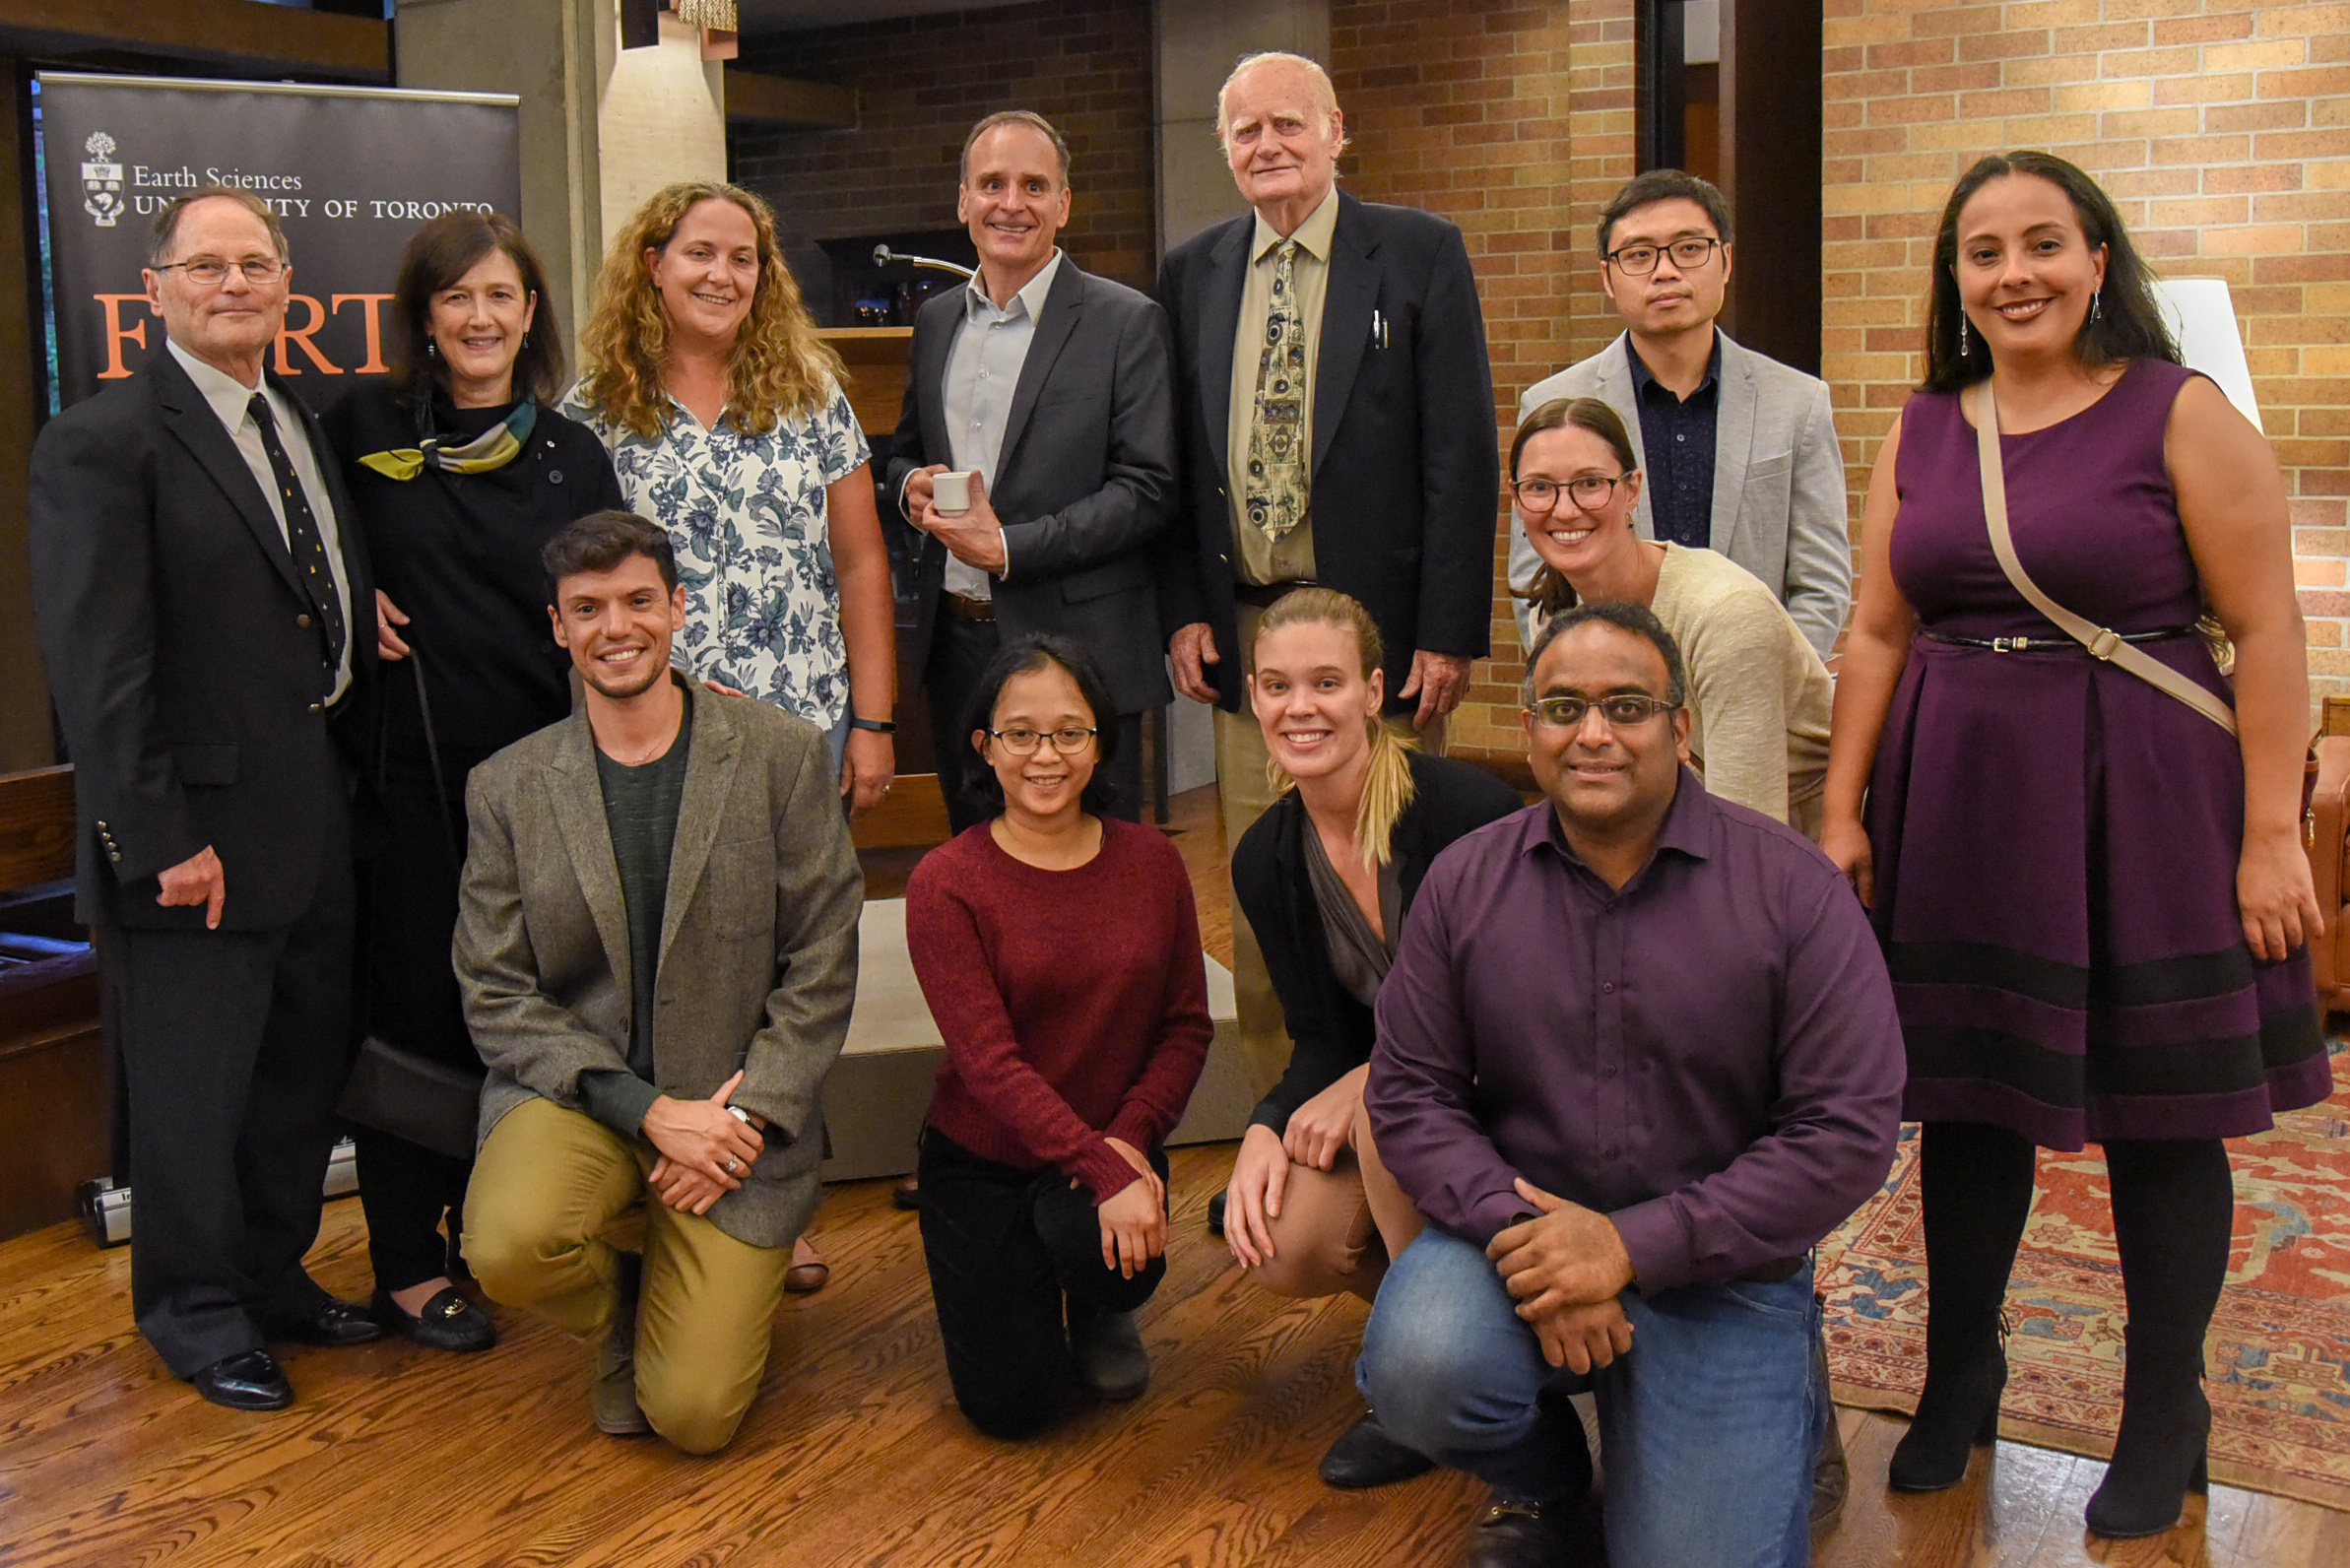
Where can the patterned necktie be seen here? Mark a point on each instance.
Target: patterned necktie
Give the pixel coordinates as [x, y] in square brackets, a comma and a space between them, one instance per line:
[302, 538]
[1277, 490]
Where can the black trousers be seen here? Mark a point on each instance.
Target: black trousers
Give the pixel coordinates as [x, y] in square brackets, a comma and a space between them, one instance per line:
[234, 1046]
[959, 651]
[408, 996]
[1003, 1247]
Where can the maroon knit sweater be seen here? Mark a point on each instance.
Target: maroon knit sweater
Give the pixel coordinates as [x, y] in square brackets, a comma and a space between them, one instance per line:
[1074, 1003]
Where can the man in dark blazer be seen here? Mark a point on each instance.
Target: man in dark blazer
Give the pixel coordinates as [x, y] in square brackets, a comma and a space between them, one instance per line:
[1054, 388]
[657, 941]
[205, 611]
[1337, 427]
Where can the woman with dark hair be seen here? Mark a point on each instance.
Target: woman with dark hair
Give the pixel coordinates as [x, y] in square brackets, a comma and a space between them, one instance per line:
[459, 473]
[1759, 692]
[2086, 871]
[1058, 952]
[1326, 879]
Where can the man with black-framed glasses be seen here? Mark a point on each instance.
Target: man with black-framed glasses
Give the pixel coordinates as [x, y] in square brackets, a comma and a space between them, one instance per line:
[1739, 450]
[1636, 1056]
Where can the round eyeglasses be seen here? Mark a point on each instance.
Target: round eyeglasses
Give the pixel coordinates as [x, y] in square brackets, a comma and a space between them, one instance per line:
[1637, 261]
[1069, 739]
[1585, 491]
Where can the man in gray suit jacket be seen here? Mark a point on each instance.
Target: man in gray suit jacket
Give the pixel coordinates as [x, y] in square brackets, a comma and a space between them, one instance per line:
[657, 941]
[1739, 450]
[1053, 387]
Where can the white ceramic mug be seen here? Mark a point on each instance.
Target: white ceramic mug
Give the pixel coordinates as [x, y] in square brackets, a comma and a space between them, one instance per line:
[950, 493]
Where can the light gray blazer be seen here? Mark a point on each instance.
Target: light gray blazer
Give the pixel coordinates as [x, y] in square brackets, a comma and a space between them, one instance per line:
[759, 937]
[1780, 508]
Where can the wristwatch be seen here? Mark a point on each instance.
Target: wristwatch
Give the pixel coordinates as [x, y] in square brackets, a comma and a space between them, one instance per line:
[739, 1114]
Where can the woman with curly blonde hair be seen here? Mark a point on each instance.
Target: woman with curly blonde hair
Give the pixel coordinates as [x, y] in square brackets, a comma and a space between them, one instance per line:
[724, 415]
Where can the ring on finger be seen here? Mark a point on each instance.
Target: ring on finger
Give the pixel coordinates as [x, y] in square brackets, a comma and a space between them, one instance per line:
[733, 1165]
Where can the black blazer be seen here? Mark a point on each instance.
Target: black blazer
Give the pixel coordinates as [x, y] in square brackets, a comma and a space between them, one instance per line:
[1405, 472]
[1084, 483]
[190, 697]
[1332, 1033]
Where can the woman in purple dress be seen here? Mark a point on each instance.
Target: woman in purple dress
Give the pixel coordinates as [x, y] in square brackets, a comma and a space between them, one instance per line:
[2092, 896]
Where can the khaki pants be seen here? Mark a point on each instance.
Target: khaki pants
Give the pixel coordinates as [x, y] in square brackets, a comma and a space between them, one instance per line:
[555, 1195]
[1243, 792]
[1339, 1228]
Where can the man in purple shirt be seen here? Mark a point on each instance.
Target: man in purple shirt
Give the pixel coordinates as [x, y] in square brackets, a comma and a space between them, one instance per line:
[1637, 1055]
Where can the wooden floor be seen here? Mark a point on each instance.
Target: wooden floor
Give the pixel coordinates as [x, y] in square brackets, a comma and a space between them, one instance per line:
[401, 1458]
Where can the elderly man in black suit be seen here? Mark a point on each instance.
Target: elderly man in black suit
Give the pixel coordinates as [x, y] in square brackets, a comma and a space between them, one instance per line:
[1053, 389]
[1337, 427]
[205, 611]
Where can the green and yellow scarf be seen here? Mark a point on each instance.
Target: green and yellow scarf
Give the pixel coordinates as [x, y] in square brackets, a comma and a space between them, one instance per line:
[494, 447]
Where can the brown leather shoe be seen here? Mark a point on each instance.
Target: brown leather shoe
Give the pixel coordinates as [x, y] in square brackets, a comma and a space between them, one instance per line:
[808, 1272]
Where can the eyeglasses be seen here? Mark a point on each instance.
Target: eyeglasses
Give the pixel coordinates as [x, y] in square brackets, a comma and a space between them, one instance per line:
[210, 272]
[1637, 261]
[1068, 740]
[1623, 711]
[1587, 491]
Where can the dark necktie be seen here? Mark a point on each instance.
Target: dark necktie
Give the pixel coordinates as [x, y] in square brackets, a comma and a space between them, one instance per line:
[302, 538]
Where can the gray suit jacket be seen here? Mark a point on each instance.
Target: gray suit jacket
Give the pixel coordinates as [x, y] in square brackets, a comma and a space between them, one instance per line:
[1780, 507]
[759, 937]
[1084, 483]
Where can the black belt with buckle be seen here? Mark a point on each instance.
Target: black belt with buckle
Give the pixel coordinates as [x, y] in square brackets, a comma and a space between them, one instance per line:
[1267, 594]
[2052, 644]
[964, 608]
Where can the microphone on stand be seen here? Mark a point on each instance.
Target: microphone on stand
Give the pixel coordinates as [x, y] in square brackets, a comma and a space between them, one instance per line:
[884, 256]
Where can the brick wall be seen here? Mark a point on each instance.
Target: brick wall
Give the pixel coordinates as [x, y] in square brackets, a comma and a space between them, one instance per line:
[2221, 128]
[1515, 123]
[1083, 64]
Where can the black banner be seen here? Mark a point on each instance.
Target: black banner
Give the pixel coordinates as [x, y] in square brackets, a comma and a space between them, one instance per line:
[350, 171]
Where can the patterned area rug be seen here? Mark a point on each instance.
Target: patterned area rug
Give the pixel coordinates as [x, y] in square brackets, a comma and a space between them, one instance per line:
[2280, 1397]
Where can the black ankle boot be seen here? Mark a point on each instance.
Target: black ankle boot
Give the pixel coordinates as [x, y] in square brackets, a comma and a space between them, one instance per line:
[2160, 1456]
[1957, 1413]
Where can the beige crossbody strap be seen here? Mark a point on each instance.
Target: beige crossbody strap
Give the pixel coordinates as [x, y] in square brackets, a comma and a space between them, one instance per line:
[2101, 641]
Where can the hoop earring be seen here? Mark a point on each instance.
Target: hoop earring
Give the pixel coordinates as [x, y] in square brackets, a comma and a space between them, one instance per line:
[1962, 334]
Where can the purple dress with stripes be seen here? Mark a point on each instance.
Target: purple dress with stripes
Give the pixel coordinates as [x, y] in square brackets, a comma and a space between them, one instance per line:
[2056, 840]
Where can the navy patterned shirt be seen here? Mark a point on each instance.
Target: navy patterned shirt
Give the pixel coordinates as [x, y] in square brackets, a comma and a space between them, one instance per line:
[1677, 437]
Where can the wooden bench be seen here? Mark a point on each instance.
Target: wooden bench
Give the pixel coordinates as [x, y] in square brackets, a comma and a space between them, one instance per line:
[54, 1085]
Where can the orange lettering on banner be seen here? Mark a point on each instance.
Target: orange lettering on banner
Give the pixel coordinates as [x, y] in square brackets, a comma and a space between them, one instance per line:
[135, 332]
[373, 316]
[301, 335]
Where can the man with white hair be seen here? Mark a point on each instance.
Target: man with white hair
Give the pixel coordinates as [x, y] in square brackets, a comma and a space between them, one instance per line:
[1337, 413]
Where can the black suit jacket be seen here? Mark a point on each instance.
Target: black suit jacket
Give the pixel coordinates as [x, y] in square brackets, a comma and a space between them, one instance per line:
[1405, 474]
[190, 697]
[1085, 482]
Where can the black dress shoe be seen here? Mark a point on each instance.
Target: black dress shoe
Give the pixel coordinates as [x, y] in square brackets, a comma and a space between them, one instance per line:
[330, 1323]
[1515, 1535]
[247, 1381]
[448, 1321]
[908, 1194]
[1365, 1456]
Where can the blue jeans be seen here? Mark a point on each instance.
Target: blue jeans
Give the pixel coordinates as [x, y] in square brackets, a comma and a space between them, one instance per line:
[1709, 1423]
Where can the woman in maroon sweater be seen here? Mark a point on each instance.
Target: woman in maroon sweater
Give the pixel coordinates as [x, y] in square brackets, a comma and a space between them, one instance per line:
[1060, 954]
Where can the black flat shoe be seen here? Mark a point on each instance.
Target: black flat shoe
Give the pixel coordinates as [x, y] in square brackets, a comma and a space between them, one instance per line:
[1364, 1456]
[331, 1323]
[448, 1321]
[247, 1381]
[1216, 1216]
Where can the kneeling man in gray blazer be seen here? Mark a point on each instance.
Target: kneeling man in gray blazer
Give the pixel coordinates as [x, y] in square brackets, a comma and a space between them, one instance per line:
[657, 941]
[1739, 450]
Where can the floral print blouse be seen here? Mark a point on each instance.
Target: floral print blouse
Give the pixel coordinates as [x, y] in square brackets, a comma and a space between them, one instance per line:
[745, 514]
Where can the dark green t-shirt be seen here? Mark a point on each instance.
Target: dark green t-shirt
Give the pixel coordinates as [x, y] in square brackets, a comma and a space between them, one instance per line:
[640, 807]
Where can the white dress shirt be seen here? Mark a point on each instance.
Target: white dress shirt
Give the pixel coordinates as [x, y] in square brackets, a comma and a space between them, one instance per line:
[232, 400]
[983, 370]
